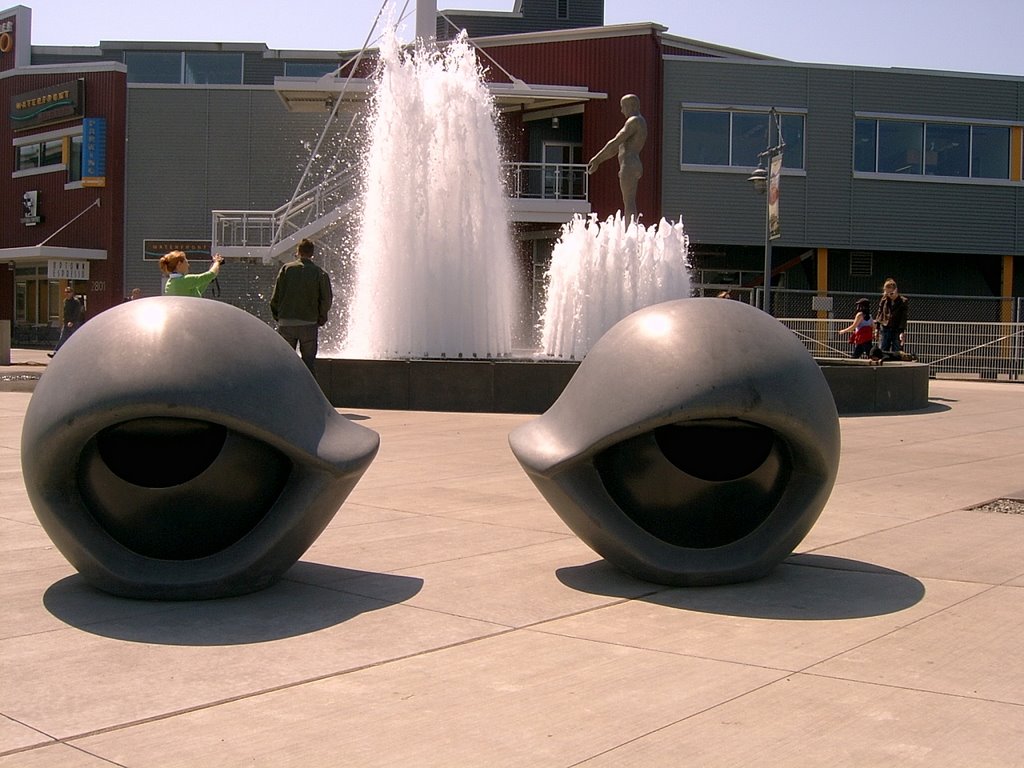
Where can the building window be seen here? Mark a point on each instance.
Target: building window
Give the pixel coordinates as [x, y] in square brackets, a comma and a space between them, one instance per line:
[899, 147]
[51, 152]
[931, 148]
[865, 146]
[990, 152]
[735, 138]
[153, 66]
[189, 67]
[705, 138]
[40, 155]
[213, 68]
[563, 9]
[28, 157]
[75, 158]
[947, 150]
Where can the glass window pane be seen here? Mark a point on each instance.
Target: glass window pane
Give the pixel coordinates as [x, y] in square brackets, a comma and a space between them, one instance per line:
[75, 159]
[705, 137]
[28, 156]
[308, 69]
[793, 135]
[213, 68]
[749, 138]
[990, 152]
[153, 66]
[899, 146]
[947, 150]
[53, 152]
[864, 146]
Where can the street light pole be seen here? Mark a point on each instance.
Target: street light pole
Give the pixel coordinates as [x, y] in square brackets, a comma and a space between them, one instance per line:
[766, 182]
[766, 301]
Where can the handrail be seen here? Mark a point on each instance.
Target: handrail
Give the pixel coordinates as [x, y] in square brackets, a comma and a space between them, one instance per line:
[268, 228]
[548, 181]
[233, 228]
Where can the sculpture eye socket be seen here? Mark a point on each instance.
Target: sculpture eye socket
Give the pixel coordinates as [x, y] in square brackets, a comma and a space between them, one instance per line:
[160, 453]
[715, 450]
[700, 484]
[179, 489]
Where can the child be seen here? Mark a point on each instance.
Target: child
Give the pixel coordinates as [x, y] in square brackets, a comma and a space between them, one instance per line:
[863, 328]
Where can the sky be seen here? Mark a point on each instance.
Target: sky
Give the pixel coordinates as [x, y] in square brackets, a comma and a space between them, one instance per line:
[954, 35]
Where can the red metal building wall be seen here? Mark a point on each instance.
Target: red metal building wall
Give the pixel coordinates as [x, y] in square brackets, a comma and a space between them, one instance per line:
[100, 228]
[612, 65]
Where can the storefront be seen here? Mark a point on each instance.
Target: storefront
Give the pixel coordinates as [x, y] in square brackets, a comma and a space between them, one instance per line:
[62, 210]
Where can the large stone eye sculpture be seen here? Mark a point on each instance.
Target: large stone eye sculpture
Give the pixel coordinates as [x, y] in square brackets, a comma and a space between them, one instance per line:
[696, 444]
[176, 448]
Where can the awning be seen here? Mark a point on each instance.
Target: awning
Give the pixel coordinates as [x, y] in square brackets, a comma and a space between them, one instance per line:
[308, 94]
[44, 252]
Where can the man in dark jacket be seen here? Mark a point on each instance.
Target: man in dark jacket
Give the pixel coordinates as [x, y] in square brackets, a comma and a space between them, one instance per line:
[74, 314]
[302, 298]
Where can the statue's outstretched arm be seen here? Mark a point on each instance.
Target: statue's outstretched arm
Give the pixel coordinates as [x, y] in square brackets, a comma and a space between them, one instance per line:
[610, 149]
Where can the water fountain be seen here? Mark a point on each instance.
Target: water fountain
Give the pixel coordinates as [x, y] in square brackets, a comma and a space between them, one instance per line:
[430, 324]
[434, 275]
[430, 321]
[603, 271]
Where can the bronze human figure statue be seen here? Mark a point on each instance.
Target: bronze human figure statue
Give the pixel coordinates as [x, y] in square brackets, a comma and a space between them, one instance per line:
[627, 144]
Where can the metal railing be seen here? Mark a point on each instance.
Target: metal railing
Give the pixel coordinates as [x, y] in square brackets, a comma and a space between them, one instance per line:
[956, 336]
[548, 181]
[264, 229]
[275, 230]
[953, 350]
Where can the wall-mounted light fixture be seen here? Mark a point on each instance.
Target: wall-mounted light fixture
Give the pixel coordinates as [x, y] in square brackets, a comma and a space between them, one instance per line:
[30, 208]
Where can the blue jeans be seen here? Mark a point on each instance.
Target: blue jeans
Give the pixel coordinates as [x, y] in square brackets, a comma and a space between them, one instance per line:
[861, 350]
[306, 337]
[890, 340]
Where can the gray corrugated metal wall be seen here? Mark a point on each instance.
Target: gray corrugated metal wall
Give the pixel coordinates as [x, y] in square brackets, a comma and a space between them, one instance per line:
[195, 150]
[536, 16]
[830, 208]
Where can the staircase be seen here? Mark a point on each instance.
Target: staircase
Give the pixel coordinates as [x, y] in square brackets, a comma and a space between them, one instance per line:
[269, 235]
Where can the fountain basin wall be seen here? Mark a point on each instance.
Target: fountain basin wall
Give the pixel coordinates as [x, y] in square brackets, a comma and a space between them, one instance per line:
[859, 387]
[531, 386]
[472, 386]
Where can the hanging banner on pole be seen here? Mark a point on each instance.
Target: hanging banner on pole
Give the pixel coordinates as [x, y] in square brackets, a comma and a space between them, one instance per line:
[774, 173]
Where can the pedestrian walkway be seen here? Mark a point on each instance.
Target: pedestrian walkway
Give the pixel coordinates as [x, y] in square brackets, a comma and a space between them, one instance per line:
[447, 617]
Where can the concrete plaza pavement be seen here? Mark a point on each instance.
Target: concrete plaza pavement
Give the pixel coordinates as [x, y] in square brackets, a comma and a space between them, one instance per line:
[447, 617]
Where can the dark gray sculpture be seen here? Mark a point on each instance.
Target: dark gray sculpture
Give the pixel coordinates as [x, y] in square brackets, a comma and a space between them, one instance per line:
[178, 449]
[696, 444]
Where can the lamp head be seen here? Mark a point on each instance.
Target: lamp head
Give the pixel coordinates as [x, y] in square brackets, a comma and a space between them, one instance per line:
[759, 178]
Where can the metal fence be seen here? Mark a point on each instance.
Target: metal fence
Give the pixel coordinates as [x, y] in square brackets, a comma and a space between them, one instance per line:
[957, 336]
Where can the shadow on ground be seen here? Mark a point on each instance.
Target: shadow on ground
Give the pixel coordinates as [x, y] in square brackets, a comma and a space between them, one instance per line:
[286, 609]
[804, 588]
[932, 407]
